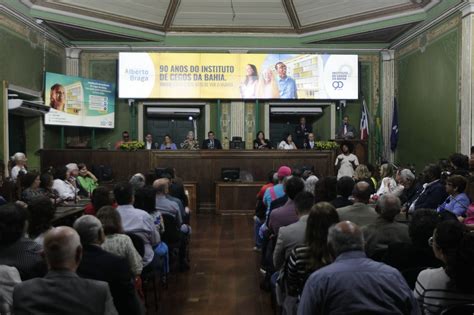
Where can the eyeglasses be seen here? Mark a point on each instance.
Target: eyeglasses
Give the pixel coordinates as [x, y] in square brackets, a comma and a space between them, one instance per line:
[431, 241]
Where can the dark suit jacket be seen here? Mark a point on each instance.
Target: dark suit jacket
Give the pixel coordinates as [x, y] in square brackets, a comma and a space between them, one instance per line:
[432, 197]
[302, 134]
[100, 265]
[217, 144]
[62, 292]
[340, 131]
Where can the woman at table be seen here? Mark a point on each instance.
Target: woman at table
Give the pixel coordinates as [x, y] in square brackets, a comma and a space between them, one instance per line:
[32, 183]
[64, 188]
[190, 143]
[287, 143]
[260, 143]
[168, 144]
[87, 180]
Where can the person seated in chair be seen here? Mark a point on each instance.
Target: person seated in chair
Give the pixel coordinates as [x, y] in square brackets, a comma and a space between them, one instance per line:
[211, 142]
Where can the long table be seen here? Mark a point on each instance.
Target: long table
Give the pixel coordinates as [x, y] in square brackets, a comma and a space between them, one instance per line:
[202, 168]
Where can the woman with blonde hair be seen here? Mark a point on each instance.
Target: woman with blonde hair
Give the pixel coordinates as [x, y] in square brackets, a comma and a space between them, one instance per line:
[387, 183]
[362, 173]
[267, 86]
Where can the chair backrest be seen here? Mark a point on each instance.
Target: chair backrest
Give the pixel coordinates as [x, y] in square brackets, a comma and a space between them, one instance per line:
[138, 243]
[460, 309]
[102, 172]
[172, 233]
[411, 274]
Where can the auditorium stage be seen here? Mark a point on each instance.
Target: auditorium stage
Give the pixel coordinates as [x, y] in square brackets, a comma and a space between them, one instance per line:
[200, 170]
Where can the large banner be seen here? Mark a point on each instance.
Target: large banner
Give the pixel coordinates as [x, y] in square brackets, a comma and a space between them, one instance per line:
[238, 76]
[79, 101]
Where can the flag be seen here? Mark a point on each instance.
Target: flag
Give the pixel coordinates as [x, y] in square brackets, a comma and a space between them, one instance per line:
[394, 134]
[364, 122]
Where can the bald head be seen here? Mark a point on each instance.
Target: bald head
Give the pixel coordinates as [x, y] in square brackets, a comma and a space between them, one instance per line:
[345, 236]
[62, 248]
[361, 192]
[388, 206]
[161, 185]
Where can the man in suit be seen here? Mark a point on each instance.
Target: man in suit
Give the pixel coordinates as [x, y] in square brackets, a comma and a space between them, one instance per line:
[294, 234]
[100, 265]
[211, 142]
[360, 212]
[310, 143]
[433, 192]
[346, 131]
[61, 291]
[302, 131]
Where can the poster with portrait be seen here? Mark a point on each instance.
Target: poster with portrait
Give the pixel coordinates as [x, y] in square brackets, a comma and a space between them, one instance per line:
[238, 76]
[77, 101]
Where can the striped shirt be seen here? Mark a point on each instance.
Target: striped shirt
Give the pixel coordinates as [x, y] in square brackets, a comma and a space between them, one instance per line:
[434, 291]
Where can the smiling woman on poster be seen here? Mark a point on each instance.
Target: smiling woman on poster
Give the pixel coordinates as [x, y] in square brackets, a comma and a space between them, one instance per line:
[249, 86]
[57, 98]
[267, 87]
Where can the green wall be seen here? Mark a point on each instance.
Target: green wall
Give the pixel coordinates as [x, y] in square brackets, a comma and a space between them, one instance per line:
[428, 100]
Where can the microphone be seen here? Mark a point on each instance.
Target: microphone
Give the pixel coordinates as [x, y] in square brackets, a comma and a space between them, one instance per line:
[156, 145]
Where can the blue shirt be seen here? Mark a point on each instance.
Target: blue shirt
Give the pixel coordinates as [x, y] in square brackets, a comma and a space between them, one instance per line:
[355, 284]
[267, 197]
[287, 87]
[457, 205]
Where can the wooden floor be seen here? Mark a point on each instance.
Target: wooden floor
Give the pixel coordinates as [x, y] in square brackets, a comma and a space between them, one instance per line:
[224, 276]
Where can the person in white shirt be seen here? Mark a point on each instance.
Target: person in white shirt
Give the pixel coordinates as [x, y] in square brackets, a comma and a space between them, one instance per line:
[20, 165]
[346, 162]
[64, 188]
[149, 142]
[388, 185]
[287, 143]
[249, 85]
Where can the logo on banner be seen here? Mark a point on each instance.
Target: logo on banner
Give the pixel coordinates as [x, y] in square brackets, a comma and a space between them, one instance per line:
[337, 85]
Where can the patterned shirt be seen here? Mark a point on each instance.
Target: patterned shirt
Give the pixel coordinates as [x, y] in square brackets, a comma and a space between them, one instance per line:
[25, 256]
[121, 245]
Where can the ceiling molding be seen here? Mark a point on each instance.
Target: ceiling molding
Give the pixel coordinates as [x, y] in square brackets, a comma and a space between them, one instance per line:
[292, 15]
[170, 14]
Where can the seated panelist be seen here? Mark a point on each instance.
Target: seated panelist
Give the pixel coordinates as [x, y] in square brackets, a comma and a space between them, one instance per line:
[168, 144]
[211, 142]
[260, 143]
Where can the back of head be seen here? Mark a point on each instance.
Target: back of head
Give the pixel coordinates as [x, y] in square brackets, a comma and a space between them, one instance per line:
[283, 172]
[321, 216]
[293, 186]
[361, 172]
[62, 248]
[161, 186]
[89, 229]
[422, 225]
[361, 192]
[310, 183]
[123, 193]
[459, 161]
[145, 199]
[345, 236]
[432, 172]
[60, 173]
[304, 201]
[388, 206]
[407, 175]
[137, 181]
[110, 219]
[12, 223]
[41, 211]
[457, 246]
[46, 181]
[28, 179]
[101, 197]
[170, 171]
[344, 186]
[386, 170]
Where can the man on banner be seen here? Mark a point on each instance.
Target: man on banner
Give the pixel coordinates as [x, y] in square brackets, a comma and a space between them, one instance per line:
[286, 85]
[394, 134]
[364, 122]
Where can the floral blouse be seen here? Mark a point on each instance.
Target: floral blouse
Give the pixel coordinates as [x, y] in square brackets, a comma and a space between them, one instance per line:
[121, 245]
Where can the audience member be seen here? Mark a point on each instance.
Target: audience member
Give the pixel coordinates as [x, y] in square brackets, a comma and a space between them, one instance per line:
[41, 211]
[137, 222]
[459, 164]
[15, 249]
[116, 242]
[87, 181]
[344, 188]
[433, 192]
[354, 283]
[362, 173]
[137, 181]
[31, 182]
[325, 189]
[182, 209]
[387, 183]
[61, 291]
[9, 278]
[411, 257]
[410, 187]
[166, 206]
[346, 162]
[293, 234]
[99, 264]
[314, 253]
[19, 159]
[100, 198]
[277, 190]
[65, 190]
[310, 183]
[457, 201]
[46, 185]
[454, 283]
[360, 212]
[385, 230]
[286, 214]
